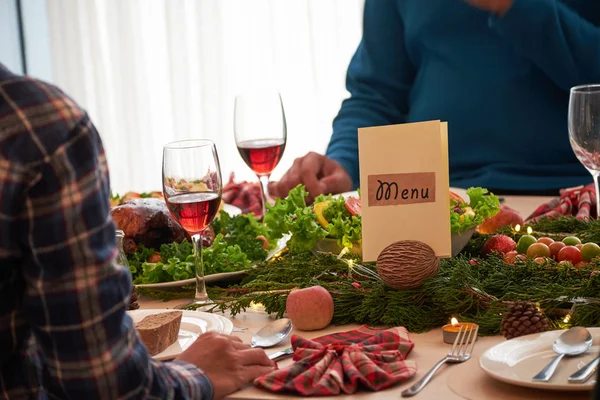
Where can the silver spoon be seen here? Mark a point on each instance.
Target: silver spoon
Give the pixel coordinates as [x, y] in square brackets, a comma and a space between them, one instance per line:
[272, 334]
[575, 341]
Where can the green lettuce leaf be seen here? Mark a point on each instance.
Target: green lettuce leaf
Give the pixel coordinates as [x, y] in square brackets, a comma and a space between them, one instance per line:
[292, 215]
[243, 230]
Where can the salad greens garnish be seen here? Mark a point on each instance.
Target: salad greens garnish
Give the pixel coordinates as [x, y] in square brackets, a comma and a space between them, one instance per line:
[481, 205]
[243, 240]
[235, 247]
[243, 230]
[292, 215]
[342, 226]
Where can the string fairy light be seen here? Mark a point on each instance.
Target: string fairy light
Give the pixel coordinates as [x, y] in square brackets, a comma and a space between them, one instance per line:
[517, 228]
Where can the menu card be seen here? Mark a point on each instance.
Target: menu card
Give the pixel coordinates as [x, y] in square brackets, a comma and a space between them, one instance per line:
[404, 184]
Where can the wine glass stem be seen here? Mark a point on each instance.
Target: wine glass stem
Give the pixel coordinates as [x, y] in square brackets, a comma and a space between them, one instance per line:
[264, 189]
[201, 294]
[597, 184]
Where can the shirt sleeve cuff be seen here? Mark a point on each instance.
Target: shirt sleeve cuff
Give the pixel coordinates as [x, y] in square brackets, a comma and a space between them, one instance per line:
[193, 379]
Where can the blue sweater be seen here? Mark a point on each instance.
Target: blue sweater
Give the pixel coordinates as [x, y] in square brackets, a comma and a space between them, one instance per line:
[501, 83]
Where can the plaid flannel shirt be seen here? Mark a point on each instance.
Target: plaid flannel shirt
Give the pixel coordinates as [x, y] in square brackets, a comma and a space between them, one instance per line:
[64, 332]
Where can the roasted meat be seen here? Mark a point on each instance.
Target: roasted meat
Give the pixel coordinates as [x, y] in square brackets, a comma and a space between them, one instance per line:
[148, 222]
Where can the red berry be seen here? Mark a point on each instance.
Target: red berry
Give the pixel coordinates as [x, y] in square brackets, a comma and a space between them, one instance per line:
[500, 244]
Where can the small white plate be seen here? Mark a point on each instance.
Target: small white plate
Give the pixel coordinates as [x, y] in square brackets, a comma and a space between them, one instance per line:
[517, 360]
[193, 324]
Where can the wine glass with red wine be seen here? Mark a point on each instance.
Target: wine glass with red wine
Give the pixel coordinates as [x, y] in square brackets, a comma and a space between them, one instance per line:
[260, 134]
[192, 189]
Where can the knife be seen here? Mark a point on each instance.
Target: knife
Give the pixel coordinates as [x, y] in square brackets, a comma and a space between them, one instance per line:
[281, 354]
[584, 373]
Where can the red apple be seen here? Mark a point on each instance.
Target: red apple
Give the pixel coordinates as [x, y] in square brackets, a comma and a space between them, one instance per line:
[310, 308]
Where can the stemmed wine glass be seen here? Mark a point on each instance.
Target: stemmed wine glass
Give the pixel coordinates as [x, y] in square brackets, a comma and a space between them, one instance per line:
[192, 189]
[584, 130]
[260, 134]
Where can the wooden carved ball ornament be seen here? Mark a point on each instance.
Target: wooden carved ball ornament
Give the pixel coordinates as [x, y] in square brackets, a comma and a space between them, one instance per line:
[406, 264]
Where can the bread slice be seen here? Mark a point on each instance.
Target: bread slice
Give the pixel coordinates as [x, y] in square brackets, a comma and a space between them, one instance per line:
[159, 331]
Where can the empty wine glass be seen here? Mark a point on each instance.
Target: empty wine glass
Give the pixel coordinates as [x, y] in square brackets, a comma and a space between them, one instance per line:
[584, 130]
[260, 134]
[192, 189]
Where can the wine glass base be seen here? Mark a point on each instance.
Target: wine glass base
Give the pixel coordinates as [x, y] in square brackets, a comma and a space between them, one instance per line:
[196, 304]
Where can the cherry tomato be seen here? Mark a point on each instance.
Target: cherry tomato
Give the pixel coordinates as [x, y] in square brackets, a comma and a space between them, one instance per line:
[555, 248]
[513, 257]
[353, 206]
[546, 240]
[569, 253]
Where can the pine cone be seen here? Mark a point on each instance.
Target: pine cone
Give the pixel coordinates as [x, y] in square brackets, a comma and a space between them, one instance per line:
[523, 318]
[133, 301]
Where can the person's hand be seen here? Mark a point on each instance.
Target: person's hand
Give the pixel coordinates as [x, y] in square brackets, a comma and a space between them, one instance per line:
[498, 7]
[227, 362]
[320, 175]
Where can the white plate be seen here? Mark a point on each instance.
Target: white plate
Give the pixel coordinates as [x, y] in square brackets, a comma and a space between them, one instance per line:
[193, 324]
[212, 278]
[517, 360]
[232, 210]
[461, 192]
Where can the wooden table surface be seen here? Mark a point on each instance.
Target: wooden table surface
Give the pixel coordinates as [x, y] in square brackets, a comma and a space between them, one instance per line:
[467, 379]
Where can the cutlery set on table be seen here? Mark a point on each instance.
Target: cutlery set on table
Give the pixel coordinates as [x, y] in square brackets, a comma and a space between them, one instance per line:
[573, 342]
[514, 361]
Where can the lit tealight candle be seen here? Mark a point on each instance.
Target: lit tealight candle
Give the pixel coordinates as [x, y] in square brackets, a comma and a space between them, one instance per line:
[451, 330]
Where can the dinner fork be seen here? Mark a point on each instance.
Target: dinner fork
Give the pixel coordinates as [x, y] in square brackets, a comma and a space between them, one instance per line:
[460, 352]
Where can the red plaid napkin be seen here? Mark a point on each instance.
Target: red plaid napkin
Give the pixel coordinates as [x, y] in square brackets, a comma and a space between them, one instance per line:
[579, 202]
[372, 358]
[244, 195]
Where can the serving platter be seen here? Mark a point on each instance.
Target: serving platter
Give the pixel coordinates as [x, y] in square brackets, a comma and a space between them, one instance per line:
[209, 279]
[224, 277]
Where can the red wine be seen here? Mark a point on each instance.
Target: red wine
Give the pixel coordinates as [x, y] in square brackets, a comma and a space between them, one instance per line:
[262, 155]
[194, 211]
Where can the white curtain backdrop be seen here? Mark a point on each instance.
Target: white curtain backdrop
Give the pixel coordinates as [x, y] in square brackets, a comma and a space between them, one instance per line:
[154, 71]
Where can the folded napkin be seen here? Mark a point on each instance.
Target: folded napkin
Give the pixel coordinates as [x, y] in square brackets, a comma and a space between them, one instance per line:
[342, 362]
[579, 202]
[244, 195]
